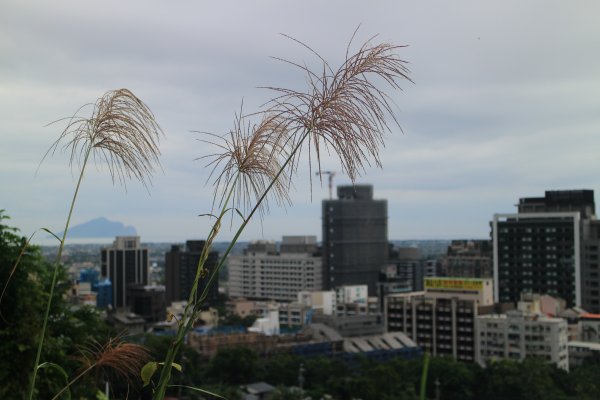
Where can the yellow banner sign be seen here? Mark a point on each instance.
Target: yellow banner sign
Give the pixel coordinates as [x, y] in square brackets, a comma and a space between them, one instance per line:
[456, 284]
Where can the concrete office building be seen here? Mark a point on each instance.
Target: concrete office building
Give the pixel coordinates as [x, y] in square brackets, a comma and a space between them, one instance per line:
[355, 239]
[405, 270]
[551, 246]
[263, 273]
[147, 301]
[442, 318]
[125, 263]
[468, 259]
[181, 265]
[517, 335]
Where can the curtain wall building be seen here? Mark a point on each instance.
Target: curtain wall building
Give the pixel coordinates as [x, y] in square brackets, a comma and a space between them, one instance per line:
[551, 246]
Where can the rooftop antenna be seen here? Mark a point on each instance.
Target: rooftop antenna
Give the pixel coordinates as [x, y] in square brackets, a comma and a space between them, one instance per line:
[330, 174]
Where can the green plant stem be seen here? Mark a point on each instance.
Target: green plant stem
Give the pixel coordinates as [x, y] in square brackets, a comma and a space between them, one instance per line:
[55, 276]
[85, 371]
[186, 325]
[246, 220]
[424, 376]
[189, 312]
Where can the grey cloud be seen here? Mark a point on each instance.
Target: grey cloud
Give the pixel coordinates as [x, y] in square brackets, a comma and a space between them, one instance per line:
[504, 102]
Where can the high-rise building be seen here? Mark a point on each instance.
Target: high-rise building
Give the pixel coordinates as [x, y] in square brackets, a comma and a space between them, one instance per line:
[355, 238]
[262, 272]
[125, 263]
[551, 246]
[181, 266]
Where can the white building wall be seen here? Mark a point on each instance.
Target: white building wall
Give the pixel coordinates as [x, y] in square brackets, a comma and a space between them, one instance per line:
[516, 335]
[272, 276]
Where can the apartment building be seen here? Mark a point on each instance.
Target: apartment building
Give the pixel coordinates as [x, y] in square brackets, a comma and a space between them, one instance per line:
[441, 319]
[517, 335]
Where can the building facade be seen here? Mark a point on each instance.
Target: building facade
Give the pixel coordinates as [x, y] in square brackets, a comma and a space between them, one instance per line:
[405, 270]
[517, 335]
[468, 259]
[181, 265]
[442, 318]
[355, 239]
[263, 273]
[148, 301]
[551, 246]
[104, 288]
[125, 263]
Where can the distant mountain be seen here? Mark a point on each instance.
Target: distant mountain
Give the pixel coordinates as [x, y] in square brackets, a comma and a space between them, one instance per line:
[100, 228]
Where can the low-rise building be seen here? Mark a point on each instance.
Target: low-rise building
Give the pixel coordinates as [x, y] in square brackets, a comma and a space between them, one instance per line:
[294, 314]
[589, 327]
[126, 322]
[517, 335]
[582, 352]
[244, 307]
[147, 301]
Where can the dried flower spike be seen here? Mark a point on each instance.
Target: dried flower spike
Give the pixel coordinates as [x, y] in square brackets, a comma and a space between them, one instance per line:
[121, 359]
[122, 131]
[344, 110]
[251, 158]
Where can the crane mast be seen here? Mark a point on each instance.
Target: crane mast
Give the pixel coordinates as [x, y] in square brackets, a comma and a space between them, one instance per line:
[330, 175]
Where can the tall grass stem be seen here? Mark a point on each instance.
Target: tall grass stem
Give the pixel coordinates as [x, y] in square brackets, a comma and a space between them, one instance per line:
[55, 276]
[187, 323]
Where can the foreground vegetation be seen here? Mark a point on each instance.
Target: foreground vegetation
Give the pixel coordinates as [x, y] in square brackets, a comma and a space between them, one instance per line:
[70, 330]
[396, 379]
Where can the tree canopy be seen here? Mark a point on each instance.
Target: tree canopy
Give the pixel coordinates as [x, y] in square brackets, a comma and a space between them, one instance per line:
[22, 308]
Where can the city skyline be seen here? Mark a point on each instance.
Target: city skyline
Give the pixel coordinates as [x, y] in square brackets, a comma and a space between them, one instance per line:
[504, 106]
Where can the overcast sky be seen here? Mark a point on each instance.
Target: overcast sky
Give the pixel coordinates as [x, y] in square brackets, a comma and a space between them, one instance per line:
[506, 104]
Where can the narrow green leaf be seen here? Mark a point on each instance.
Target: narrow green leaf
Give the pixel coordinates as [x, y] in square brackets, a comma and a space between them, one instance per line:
[208, 215]
[200, 390]
[59, 369]
[173, 365]
[147, 371]
[52, 233]
[100, 395]
[177, 366]
[240, 214]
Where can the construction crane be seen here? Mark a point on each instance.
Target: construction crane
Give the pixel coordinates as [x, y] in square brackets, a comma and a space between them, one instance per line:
[330, 174]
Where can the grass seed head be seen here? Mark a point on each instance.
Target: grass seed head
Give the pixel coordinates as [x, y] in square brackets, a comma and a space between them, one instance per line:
[250, 158]
[121, 131]
[345, 111]
[115, 358]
